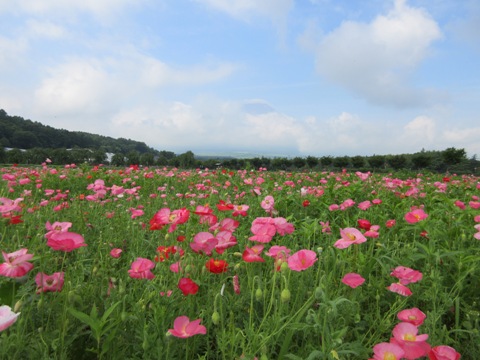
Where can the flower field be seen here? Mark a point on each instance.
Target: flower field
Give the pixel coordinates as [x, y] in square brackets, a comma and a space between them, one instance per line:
[162, 263]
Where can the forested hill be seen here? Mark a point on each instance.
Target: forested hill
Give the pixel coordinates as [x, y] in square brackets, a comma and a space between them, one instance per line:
[17, 132]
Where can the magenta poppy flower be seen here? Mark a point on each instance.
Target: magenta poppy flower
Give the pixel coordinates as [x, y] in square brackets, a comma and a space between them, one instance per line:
[413, 316]
[353, 280]
[184, 328]
[140, 269]
[302, 260]
[116, 252]
[65, 241]
[7, 317]
[52, 282]
[406, 275]
[253, 254]
[349, 236]
[415, 216]
[400, 289]
[16, 264]
[443, 352]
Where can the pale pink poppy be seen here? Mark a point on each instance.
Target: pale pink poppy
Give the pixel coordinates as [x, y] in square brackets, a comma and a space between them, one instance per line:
[204, 242]
[349, 236]
[225, 241]
[333, 207]
[302, 260]
[262, 232]
[406, 336]
[388, 351]
[7, 317]
[282, 226]
[52, 282]
[364, 205]
[184, 328]
[140, 269]
[16, 264]
[353, 280]
[10, 205]
[268, 203]
[413, 316]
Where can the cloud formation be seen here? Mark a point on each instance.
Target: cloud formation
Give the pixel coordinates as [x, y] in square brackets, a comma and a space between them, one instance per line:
[373, 59]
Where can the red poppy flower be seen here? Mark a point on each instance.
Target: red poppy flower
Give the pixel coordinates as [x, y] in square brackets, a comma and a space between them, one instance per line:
[305, 203]
[216, 266]
[188, 286]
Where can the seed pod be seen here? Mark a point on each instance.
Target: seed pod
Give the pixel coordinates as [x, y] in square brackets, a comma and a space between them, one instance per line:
[285, 295]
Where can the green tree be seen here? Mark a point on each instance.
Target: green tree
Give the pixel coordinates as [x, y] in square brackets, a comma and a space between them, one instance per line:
[376, 161]
[397, 161]
[421, 160]
[358, 161]
[147, 159]
[452, 156]
[133, 158]
[118, 159]
[326, 161]
[299, 162]
[312, 161]
[341, 161]
[15, 156]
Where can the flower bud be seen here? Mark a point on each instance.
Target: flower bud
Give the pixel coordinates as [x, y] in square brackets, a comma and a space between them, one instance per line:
[285, 295]
[319, 293]
[216, 318]
[258, 294]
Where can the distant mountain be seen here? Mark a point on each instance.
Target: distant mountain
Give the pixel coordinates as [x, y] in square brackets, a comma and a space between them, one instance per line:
[17, 132]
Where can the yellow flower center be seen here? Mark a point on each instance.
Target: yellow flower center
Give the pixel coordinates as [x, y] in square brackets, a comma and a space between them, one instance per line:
[389, 356]
[409, 337]
[351, 236]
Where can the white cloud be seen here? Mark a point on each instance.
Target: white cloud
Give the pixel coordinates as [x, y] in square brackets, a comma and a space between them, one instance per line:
[102, 10]
[373, 59]
[46, 29]
[156, 73]
[421, 131]
[244, 9]
[11, 50]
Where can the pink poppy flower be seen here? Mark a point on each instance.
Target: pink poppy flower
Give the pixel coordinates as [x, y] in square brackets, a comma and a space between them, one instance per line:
[282, 226]
[364, 205]
[400, 289]
[413, 316]
[7, 317]
[302, 260]
[333, 207]
[10, 205]
[52, 282]
[253, 254]
[406, 275]
[406, 336]
[140, 269]
[268, 203]
[353, 280]
[184, 328]
[16, 264]
[240, 210]
[443, 352]
[57, 227]
[415, 216]
[349, 236]
[204, 242]
[364, 224]
[388, 351]
[263, 231]
[225, 240]
[236, 284]
[165, 216]
[65, 241]
[116, 252]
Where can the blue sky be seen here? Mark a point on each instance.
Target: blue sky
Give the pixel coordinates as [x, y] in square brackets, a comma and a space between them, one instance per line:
[270, 77]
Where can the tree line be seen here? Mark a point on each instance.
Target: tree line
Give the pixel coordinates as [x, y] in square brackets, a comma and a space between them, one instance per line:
[26, 142]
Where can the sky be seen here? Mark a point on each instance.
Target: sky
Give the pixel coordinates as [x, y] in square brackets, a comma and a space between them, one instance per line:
[270, 77]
